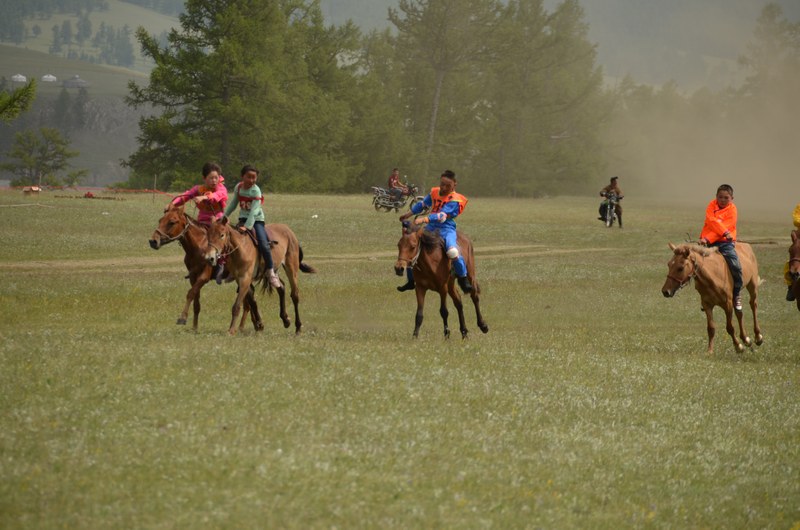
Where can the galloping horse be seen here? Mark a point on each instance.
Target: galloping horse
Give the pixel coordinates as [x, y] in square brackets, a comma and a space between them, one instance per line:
[242, 256]
[794, 265]
[713, 280]
[424, 251]
[177, 225]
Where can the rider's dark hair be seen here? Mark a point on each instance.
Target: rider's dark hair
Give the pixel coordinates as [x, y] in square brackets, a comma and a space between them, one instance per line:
[208, 167]
[449, 174]
[725, 187]
[248, 168]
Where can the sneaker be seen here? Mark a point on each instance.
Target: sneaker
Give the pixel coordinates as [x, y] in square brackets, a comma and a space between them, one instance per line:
[737, 303]
[407, 287]
[274, 280]
[790, 295]
[463, 282]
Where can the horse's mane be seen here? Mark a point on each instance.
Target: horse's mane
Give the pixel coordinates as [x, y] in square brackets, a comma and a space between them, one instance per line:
[430, 240]
[700, 249]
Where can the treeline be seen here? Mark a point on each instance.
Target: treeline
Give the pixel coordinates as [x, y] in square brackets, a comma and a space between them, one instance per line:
[506, 93]
[12, 23]
[112, 46]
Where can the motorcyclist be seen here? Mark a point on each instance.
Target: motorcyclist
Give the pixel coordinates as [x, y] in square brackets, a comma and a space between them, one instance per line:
[612, 188]
[397, 188]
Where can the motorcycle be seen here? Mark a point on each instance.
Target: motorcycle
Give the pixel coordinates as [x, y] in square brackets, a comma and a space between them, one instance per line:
[385, 199]
[608, 212]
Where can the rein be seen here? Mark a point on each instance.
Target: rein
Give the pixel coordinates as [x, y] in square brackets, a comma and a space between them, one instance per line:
[170, 239]
[220, 253]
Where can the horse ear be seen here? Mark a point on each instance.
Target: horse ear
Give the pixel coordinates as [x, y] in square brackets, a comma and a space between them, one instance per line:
[672, 246]
[224, 220]
[406, 227]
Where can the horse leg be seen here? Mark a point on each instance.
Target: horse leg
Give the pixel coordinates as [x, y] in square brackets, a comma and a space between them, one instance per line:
[251, 305]
[294, 293]
[420, 306]
[244, 289]
[476, 301]
[282, 306]
[753, 290]
[731, 330]
[443, 312]
[459, 305]
[710, 328]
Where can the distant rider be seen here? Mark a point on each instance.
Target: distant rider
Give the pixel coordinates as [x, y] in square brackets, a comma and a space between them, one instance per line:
[786, 276]
[613, 187]
[397, 188]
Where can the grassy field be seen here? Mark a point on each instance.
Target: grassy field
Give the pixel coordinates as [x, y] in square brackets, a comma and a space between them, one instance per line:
[590, 403]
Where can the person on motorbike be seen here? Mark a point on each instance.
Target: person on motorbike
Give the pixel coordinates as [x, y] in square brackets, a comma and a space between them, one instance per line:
[397, 188]
[613, 187]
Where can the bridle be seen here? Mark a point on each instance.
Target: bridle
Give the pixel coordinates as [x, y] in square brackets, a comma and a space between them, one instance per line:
[219, 251]
[411, 263]
[166, 238]
[684, 283]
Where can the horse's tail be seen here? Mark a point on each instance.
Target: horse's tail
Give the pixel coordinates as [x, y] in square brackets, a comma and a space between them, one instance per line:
[304, 267]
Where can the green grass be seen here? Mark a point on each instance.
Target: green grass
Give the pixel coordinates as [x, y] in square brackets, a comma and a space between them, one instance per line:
[590, 403]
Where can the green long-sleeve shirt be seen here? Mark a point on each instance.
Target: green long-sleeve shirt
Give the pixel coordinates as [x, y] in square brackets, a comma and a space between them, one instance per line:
[249, 202]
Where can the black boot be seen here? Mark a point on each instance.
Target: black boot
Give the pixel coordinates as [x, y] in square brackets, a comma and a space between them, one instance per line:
[463, 282]
[407, 287]
[219, 271]
[790, 295]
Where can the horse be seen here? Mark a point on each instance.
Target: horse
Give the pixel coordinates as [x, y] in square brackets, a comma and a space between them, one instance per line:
[714, 282]
[177, 225]
[242, 258]
[424, 251]
[794, 265]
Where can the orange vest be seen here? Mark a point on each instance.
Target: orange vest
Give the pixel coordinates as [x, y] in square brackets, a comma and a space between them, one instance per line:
[718, 221]
[437, 201]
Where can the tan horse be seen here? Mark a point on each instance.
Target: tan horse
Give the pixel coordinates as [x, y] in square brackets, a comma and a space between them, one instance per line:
[714, 282]
[424, 251]
[177, 225]
[794, 265]
[243, 262]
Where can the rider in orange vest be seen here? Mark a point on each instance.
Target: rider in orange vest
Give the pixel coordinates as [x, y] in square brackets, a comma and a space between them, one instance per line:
[445, 205]
[719, 230]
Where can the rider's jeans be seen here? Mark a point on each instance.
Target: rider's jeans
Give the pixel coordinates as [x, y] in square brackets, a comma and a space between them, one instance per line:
[263, 244]
[728, 251]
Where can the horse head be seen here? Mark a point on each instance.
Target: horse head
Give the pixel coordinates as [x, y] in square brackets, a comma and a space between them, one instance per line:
[172, 225]
[218, 240]
[408, 249]
[681, 268]
[794, 256]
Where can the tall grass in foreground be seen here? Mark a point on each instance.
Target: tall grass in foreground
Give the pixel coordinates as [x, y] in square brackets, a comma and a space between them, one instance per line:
[590, 402]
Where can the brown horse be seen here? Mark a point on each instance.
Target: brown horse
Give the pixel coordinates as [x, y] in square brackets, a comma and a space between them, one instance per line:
[714, 282]
[243, 259]
[424, 251]
[177, 225]
[794, 265]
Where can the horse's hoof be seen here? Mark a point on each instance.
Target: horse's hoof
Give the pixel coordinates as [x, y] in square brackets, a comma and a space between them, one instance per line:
[260, 326]
[464, 335]
[181, 322]
[484, 328]
[231, 332]
[739, 348]
[748, 342]
[447, 333]
[759, 340]
[287, 323]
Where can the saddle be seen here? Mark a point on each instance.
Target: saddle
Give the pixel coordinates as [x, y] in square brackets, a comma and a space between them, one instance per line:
[252, 233]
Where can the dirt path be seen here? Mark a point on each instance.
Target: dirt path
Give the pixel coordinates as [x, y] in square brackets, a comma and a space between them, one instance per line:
[171, 263]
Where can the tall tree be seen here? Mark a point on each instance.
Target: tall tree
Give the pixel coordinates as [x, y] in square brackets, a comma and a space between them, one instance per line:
[447, 37]
[256, 81]
[42, 158]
